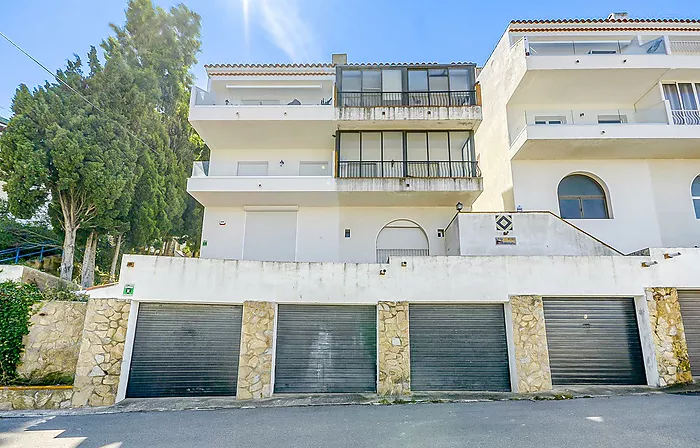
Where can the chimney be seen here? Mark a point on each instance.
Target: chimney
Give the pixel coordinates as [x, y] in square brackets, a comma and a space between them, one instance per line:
[339, 58]
[618, 16]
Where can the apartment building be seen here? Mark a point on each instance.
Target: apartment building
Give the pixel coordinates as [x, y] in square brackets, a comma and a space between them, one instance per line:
[334, 162]
[363, 232]
[596, 121]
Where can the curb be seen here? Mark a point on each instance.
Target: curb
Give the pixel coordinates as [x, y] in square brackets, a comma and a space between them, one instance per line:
[313, 400]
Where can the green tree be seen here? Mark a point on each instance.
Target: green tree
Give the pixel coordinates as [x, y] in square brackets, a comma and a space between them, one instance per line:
[164, 44]
[59, 149]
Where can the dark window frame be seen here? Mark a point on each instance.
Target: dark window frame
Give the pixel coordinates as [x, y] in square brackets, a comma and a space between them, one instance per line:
[580, 198]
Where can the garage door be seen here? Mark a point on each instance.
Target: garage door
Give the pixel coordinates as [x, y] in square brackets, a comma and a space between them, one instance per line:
[326, 349]
[593, 341]
[690, 310]
[185, 350]
[458, 347]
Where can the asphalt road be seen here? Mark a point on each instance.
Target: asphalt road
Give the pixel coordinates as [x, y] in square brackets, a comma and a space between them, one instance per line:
[630, 421]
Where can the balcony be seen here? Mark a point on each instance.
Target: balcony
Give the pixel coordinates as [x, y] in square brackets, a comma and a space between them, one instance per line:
[294, 118]
[407, 169]
[361, 184]
[655, 132]
[408, 110]
[603, 71]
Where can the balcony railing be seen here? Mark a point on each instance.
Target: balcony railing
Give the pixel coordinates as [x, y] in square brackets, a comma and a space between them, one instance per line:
[401, 168]
[535, 48]
[685, 47]
[382, 99]
[686, 117]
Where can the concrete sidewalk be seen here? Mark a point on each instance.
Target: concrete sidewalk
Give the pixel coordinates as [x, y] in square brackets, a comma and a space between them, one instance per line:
[302, 400]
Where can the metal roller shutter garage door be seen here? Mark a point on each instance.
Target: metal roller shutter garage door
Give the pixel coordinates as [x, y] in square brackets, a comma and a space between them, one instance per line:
[593, 341]
[690, 310]
[326, 348]
[185, 350]
[458, 347]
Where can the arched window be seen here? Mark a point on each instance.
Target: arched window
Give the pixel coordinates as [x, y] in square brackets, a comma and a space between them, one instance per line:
[401, 238]
[695, 193]
[581, 197]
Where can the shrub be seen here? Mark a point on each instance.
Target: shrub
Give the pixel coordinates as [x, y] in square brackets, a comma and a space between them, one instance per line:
[16, 306]
[63, 294]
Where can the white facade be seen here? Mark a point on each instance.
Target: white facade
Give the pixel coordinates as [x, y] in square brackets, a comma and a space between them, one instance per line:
[305, 168]
[573, 97]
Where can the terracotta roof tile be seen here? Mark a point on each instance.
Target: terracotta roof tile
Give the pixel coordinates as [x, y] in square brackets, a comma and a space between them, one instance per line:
[558, 30]
[314, 65]
[269, 74]
[607, 20]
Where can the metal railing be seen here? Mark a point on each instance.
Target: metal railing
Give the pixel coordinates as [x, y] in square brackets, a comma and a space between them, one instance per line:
[686, 117]
[687, 47]
[384, 254]
[16, 254]
[403, 168]
[381, 99]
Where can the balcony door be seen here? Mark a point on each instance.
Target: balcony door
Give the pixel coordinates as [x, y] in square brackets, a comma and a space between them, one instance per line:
[684, 99]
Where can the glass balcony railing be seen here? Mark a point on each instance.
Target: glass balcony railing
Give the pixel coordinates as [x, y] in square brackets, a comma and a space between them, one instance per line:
[601, 48]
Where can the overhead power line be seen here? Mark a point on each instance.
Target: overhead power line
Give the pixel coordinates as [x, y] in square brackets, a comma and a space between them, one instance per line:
[53, 75]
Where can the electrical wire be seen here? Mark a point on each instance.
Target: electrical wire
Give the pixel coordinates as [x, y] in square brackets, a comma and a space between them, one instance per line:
[53, 75]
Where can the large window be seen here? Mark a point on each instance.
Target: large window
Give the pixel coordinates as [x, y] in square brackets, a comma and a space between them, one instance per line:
[406, 154]
[396, 86]
[684, 98]
[581, 197]
[695, 192]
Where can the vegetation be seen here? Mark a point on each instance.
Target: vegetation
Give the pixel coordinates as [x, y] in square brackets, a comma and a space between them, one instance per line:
[16, 304]
[108, 147]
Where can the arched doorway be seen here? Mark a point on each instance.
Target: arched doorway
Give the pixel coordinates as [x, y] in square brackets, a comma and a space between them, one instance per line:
[403, 238]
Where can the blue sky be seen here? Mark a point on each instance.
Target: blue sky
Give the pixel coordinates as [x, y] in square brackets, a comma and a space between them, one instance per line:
[297, 30]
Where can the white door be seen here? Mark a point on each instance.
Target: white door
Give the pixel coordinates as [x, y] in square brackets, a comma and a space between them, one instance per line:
[270, 236]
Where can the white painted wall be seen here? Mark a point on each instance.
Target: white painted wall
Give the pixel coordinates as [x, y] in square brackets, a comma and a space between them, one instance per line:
[11, 272]
[225, 162]
[424, 279]
[671, 180]
[534, 233]
[270, 89]
[649, 199]
[321, 231]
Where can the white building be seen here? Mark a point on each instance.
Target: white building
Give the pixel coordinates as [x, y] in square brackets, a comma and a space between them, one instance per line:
[334, 162]
[333, 259]
[598, 122]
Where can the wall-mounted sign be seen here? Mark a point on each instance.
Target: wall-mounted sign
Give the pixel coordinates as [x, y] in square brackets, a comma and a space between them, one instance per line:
[128, 290]
[506, 241]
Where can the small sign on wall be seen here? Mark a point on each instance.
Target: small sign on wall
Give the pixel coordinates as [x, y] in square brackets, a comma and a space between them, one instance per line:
[128, 290]
[506, 241]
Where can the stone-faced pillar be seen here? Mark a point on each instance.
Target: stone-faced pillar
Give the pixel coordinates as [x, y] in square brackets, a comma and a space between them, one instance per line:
[255, 361]
[668, 334]
[101, 352]
[530, 339]
[394, 349]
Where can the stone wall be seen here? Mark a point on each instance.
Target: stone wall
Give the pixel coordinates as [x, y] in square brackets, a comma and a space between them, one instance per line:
[394, 349]
[53, 342]
[255, 361]
[22, 398]
[669, 336]
[530, 340]
[101, 352]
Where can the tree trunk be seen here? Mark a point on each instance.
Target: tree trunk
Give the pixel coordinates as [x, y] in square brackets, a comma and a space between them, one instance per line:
[115, 259]
[87, 278]
[68, 251]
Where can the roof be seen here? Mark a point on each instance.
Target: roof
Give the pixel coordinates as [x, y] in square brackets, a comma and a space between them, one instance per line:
[607, 20]
[314, 65]
[4, 120]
